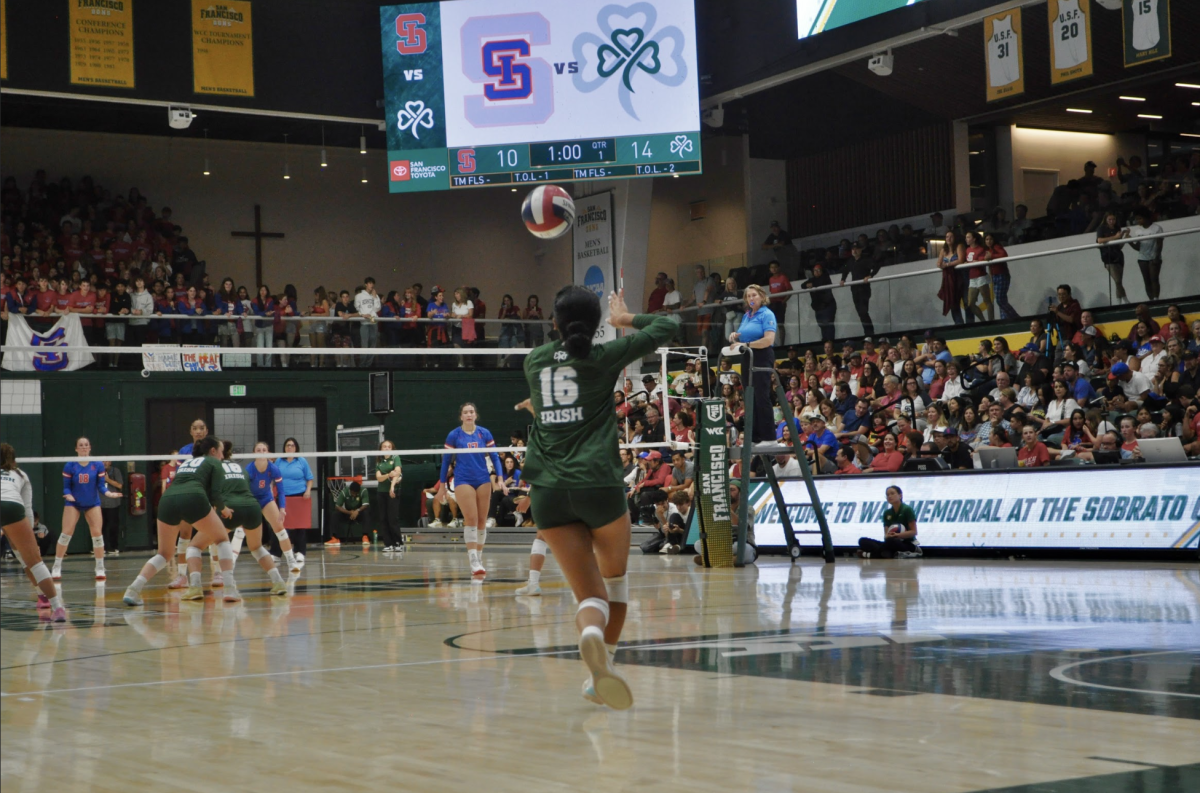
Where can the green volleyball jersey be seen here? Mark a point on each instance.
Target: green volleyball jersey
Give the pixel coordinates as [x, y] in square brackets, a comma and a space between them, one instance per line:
[234, 487]
[199, 475]
[898, 517]
[574, 439]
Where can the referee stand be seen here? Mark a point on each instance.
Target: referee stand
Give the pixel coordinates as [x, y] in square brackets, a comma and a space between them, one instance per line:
[763, 450]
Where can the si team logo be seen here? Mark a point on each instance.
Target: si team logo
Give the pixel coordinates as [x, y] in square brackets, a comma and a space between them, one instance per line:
[466, 161]
[412, 35]
[401, 170]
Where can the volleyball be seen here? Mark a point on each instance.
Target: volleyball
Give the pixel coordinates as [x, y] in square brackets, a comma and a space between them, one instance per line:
[548, 211]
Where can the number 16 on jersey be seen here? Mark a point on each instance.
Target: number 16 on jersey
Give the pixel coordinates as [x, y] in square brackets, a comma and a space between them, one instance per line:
[559, 393]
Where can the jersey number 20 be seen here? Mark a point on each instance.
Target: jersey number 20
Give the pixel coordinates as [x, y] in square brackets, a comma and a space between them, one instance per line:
[559, 386]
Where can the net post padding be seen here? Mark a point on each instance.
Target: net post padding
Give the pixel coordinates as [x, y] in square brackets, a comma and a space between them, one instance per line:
[716, 520]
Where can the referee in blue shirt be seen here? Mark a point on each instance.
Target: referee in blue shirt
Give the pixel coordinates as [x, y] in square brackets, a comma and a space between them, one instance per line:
[758, 332]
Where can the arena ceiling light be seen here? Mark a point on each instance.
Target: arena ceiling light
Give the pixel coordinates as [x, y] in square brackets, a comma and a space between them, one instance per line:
[1133, 98]
[324, 159]
[362, 140]
[1150, 115]
[364, 175]
[286, 173]
[1187, 85]
[1079, 110]
[207, 172]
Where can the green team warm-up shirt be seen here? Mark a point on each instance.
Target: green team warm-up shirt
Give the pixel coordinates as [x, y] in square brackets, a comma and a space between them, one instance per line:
[574, 438]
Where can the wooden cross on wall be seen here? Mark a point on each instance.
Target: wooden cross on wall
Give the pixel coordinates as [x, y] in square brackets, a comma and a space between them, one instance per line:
[258, 234]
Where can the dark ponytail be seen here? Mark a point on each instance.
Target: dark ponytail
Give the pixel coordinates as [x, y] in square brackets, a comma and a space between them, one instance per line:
[577, 315]
[202, 447]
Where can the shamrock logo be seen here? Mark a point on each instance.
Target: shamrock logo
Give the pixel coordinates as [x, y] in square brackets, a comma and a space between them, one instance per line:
[413, 116]
[629, 45]
[680, 145]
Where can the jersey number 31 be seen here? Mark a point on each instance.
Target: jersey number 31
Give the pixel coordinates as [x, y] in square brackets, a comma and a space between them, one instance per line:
[559, 386]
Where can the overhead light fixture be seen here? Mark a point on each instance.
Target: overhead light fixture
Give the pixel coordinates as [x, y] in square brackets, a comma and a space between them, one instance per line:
[1187, 85]
[675, 175]
[1195, 104]
[1133, 98]
[1078, 110]
[362, 140]
[514, 190]
[324, 158]
[1149, 115]
[207, 172]
[1189, 135]
[364, 174]
[286, 173]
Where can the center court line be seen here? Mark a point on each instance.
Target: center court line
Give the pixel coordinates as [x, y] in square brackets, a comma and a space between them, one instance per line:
[1059, 674]
[150, 683]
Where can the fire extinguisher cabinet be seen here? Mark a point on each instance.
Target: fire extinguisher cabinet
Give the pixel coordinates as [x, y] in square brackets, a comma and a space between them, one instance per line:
[136, 494]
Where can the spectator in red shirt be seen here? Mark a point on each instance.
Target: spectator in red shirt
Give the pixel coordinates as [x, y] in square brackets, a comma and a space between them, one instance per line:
[844, 463]
[778, 282]
[650, 490]
[83, 301]
[479, 313]
[44, 304]
[1033, 453]
[654, 303]
[888, 460]
[1068, 312]
[96, 254]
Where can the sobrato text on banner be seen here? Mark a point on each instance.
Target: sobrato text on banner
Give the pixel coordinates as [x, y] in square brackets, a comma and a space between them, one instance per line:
[67, 332]
[1003, 46]
[101, 39]
[593, 253]
[1146, 29]
[222, 48]
[1070, 40]
[1143, 507]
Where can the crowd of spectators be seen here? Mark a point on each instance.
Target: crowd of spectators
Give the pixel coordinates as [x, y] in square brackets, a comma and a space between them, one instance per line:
[72, 248]
[1068, 392]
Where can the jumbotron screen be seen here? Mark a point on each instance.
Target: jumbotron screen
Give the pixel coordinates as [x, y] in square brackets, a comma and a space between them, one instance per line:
[508, 92]
[817, 16]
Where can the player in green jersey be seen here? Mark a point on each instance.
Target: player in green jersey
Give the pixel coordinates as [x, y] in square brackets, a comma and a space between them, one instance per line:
[239, 509]
[574, 468]
[188, 502]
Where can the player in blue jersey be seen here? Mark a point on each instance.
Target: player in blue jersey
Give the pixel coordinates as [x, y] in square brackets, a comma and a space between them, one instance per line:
[198, 430]
[473, 481]
[83, 484]
[266, 483]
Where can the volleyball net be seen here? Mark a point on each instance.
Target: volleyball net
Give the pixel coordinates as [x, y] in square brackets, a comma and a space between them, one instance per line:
[137, 417]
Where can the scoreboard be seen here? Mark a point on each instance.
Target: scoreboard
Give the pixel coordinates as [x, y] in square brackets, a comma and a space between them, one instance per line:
[507, 92]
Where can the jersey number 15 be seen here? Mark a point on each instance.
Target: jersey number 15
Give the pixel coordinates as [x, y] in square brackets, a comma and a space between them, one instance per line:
[559, 386]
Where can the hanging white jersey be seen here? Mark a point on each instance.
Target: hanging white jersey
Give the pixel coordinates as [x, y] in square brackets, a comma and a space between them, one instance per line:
[1004, 67]
[1070, 35]
[15, 487]
[1146, 33]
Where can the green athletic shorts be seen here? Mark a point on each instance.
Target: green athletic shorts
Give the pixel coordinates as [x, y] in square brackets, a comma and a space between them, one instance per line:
[176, 508]
[11, 512]
[592, 506]
[247, 514]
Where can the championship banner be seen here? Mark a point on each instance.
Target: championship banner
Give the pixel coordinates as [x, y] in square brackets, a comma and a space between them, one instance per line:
[712, 506]
[1070, 40]
[1146, 28]
[1005, 55]
[222, 48]
[67, 332]
[593, 254]
[174, 358]
[101, 33]
[1143, 507]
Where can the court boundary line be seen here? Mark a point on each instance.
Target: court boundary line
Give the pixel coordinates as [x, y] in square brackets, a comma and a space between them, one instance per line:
[1059, 674]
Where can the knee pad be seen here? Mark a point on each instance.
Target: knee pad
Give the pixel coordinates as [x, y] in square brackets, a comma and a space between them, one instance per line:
[97, 542]
[194, 553]
[17, 555]
[595, 603]
[618, 589]
[539, 548]
[281, 535]
[181, 546]
[158, 562]
[39, 571]
[64, 539]
[225, 551]
[259, 552]
[471, 534]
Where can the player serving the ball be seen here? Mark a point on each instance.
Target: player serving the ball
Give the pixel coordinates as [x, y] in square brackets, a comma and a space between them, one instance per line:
[573, 466]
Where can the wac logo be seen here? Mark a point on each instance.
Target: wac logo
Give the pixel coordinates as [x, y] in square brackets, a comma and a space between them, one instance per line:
[412, 35]
[401, 170]
[466, 161]
[630, 47]
[50, 361]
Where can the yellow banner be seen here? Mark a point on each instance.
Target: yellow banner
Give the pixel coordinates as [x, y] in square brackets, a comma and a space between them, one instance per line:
[222, 48]
[101, 42]
[1070, 40]
[1003, 45]
[3, 40]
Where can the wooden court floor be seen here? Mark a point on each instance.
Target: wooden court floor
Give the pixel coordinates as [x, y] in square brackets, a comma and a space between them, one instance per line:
[402, 674]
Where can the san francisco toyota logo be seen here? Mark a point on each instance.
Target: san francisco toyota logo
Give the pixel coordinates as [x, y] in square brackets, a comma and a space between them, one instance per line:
[400, 170]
